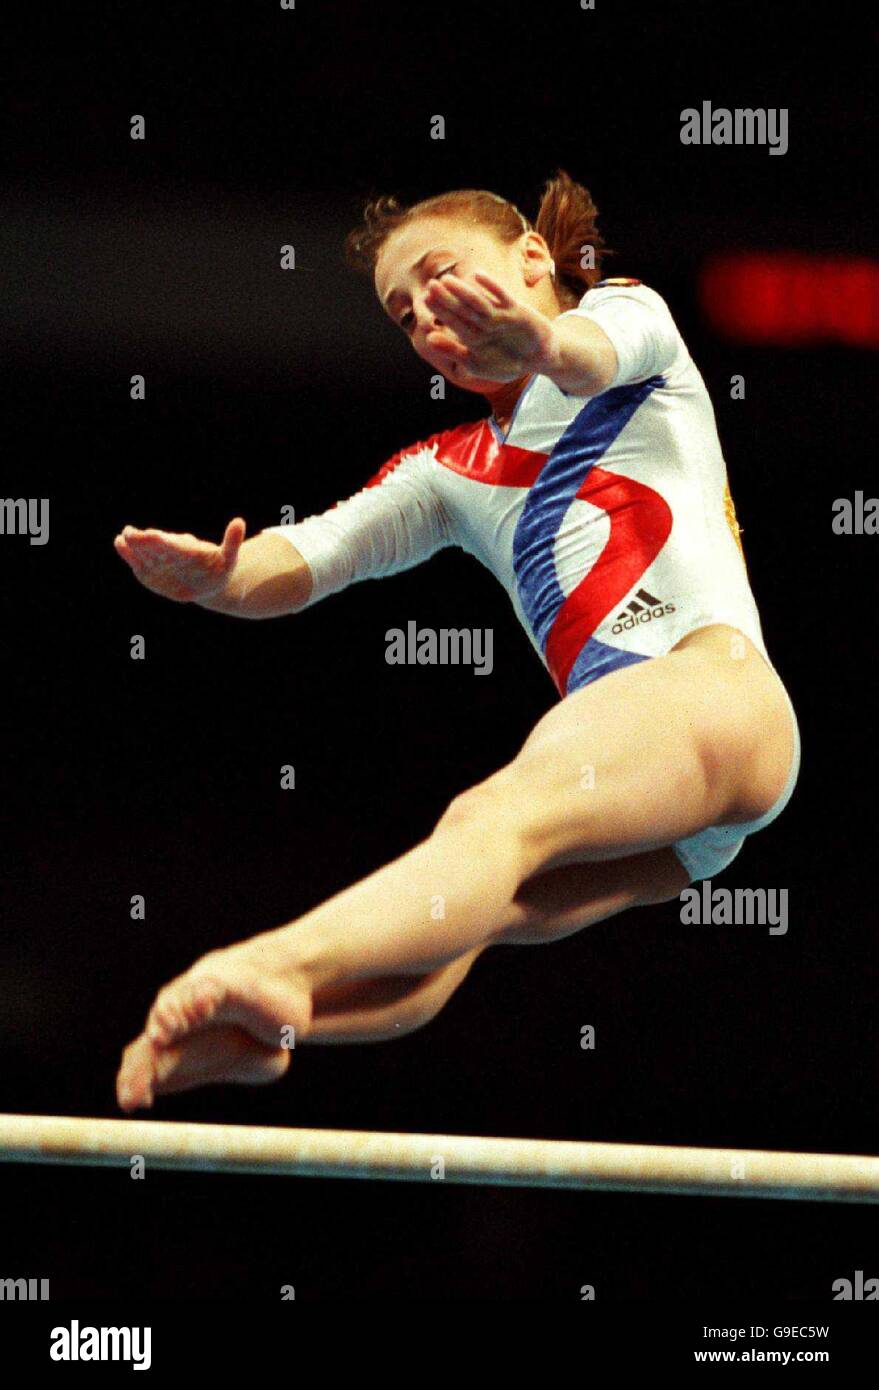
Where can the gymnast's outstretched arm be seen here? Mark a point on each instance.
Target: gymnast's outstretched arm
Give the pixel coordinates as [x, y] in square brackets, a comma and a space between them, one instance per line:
[264, 577]
[393, 523]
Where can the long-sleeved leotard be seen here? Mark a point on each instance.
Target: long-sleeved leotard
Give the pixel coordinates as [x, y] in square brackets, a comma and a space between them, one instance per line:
[608, 519]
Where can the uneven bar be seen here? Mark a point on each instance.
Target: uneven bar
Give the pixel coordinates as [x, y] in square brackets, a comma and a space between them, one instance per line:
[329, 1153]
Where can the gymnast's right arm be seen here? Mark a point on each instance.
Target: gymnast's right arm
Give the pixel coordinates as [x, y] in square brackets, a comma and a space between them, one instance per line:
[268, 580]
[393, 523]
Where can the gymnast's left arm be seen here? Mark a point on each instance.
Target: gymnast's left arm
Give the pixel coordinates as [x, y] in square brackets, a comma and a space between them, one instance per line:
[618, 334]
[580, 358]
[625, 335]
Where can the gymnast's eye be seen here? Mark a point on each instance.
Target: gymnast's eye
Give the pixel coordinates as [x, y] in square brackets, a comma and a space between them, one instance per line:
[406, 320]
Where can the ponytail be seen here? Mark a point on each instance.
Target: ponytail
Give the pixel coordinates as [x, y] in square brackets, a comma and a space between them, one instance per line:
[567, 221]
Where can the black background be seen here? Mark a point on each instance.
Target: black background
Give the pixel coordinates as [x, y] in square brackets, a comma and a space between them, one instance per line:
[267, 389]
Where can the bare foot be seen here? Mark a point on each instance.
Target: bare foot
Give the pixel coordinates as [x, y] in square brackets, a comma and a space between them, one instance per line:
[253, 986]
[245, 1007]
[211, 1057]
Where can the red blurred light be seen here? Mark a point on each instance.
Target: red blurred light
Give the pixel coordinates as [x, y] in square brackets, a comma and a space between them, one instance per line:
[794, 299]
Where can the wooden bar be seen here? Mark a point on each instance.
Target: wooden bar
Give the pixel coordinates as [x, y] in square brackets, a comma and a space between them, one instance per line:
[328, 1153]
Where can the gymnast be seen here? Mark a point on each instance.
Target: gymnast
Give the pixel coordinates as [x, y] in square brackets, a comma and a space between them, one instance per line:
[597, 493]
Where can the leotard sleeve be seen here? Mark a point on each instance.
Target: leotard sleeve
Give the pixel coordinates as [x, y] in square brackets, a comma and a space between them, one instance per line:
[393, 523]
[638, 322]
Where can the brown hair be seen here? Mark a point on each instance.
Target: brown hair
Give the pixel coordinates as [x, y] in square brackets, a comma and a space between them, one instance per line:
[566, 220]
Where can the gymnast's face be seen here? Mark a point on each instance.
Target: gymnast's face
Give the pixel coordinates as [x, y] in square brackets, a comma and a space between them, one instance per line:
[429, 248]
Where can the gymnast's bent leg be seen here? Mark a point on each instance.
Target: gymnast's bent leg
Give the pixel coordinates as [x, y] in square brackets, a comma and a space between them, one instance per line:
[557, 903]
[632, 763]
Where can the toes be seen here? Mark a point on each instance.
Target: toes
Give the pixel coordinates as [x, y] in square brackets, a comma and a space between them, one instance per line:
[164, 1023]
[276, 1012]
[136, 1078]
[180, 1007]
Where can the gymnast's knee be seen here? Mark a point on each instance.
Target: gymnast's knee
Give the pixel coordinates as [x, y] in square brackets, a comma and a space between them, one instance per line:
[513, 809]
[494, 811]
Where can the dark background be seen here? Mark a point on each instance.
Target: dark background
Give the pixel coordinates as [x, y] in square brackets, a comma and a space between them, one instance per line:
[161, 777]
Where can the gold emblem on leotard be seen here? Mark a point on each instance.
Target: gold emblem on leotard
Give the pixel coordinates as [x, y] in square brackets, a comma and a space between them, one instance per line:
[732, 519]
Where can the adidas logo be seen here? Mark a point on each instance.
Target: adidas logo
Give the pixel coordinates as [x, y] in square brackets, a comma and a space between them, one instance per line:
[643, 608]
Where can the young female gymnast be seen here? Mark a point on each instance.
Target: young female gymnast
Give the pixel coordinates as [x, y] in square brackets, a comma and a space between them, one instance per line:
[596, 491]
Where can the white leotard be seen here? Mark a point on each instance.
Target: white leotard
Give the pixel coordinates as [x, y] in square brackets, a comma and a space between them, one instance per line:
[608, 520]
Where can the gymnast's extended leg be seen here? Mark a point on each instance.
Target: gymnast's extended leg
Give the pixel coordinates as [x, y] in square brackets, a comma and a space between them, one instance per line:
[556, 903]
[642, 758]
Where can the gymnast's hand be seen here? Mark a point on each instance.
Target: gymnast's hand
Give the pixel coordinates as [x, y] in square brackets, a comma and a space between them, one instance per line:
[485, 330]
[180, 566]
